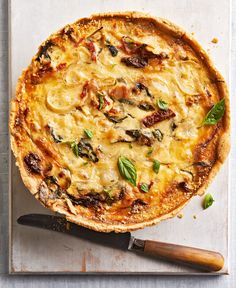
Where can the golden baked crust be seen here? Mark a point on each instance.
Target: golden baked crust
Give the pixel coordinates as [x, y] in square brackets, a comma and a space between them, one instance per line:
[108, 75]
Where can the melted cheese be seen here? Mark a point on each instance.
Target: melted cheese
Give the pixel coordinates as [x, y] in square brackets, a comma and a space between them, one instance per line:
[57, 102]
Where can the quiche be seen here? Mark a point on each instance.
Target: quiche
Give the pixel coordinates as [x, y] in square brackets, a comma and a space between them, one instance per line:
[119, 120]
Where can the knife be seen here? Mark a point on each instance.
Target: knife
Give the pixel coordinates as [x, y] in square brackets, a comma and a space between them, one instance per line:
[197, 258]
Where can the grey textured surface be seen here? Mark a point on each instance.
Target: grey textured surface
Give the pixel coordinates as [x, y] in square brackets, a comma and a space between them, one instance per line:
[96, 281]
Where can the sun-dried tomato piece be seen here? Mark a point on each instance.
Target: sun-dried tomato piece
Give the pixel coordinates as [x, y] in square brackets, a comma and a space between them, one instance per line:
[84, 90]
[158, 116]
[91, 47]
[135, 61]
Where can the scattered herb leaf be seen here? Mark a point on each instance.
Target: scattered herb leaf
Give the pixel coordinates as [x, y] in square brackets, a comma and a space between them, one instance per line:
[127, 170]
[101, 100]
[150, 150]
[215, 114]
[75, 148]
[88, 133]
[108, 191]
[162, 104]
[112, 65]
[156, 166]
[144, 187]
[208, 201]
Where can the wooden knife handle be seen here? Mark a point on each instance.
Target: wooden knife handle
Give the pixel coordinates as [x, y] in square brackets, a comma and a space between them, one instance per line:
[197, 258]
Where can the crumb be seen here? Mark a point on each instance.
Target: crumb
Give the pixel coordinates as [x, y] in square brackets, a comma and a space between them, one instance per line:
[194, 217]
[193, 33]
[214, 40]
[180, 216]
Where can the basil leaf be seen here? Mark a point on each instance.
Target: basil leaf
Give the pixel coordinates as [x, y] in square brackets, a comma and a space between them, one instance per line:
[88, 133]
[149, 153]
[215, 114]
[127, 170]
[208, 201]
[75, 148]
[156, 166]
[85, 149]
[108, 192]
[162, 104]
[144, 187]
[112, 66]
[100, 96]
[101, 102]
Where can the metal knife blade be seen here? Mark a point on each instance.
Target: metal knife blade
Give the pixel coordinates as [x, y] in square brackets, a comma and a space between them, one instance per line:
[60, 224]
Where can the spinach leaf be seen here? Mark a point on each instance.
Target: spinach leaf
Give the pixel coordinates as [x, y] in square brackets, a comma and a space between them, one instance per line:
[115, 119]
[84, 149]
[145, 106]
[56, 138]
[141, 87]
[44, 49]
[74, 148]
[156, 166]
[113, 50]
[158, 134]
